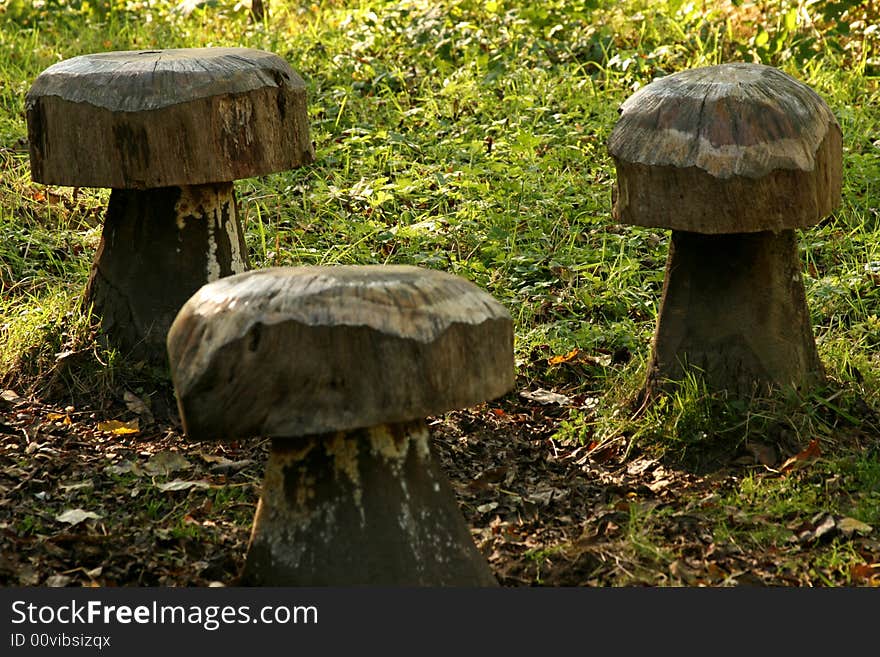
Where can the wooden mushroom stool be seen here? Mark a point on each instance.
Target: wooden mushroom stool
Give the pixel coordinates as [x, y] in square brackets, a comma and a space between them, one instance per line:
[340, 366]
[733, 158]
[168, 131]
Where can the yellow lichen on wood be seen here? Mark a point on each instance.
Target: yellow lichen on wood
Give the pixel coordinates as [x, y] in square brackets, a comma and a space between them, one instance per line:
[392, 443]
[279, 472]
[343, 449]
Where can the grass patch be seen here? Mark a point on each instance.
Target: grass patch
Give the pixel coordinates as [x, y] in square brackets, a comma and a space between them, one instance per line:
[470, 137]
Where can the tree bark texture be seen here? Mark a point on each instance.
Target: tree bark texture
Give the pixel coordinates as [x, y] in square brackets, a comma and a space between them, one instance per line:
[370, 507]
[157, 248]
[734, 310]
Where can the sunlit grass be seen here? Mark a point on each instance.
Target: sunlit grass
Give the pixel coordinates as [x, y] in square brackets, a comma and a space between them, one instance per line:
[470, 137]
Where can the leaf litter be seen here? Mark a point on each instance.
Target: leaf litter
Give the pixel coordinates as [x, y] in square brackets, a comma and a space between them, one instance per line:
[84, 507]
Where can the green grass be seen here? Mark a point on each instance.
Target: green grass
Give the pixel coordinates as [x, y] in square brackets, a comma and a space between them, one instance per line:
[470, 137]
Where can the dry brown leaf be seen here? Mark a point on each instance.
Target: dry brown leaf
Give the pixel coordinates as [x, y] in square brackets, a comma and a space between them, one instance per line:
[76, 516]
[10, 396]
[682, 571]
[640, 466]
[212, 458]
[603, 454]
[166, 462]
[802, 458]
[58, 581]
[488, 477]
[865, 573]
[124, 467]
[77, 485]
[660, 484]
[848, 526]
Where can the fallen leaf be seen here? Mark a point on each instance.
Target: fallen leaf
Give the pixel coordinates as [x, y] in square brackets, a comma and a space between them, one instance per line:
[487, 477]
[802, 458]
[28, 576]
[602, 454]
[124, 468]
[86, 483]
[558, 360]
[64, 355]
[179, 484]
[603, 360]
[639, 466]
[545, 397]
[10, 396]
[166, 462]
[827, 525]
[715, 573]
[226, 466]
[212, 458]
[660, 484]
[76, 516]
[848, 526]
[865, 572]
[682, 571]
[118, 427]
[544, 496]
[58, 581]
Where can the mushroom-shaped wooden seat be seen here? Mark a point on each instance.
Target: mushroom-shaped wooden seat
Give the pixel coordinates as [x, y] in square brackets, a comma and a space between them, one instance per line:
[733, 158]
[340, 366]
[168, 131]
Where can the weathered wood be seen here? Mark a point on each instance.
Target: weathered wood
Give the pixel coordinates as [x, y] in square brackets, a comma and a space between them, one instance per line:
[367, 508]
[732, 158]
[733, 148]
[734, 310]
[335, 348]
[157, 118]
[340, 366]
[157, 248]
